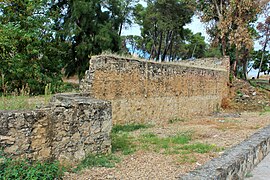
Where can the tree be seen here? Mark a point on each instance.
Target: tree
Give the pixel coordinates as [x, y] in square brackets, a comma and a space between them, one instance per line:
[126, 12]
[162, 23]
[196, 46]
[28, 52]
[89, 27]
[230, 25]
[264, 30]
[262, 64]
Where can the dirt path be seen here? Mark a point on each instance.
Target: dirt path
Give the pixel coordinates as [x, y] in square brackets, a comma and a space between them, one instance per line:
[221, 130]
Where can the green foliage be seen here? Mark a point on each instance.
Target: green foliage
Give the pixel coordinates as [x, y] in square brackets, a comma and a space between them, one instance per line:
[97, 160]
[257, 56]
[128, 127]
[87, 28]
[152, 141]
[122, 142]
[261, 83]
[23, 169]
[213, 52]
[162, 27]
[29, 55]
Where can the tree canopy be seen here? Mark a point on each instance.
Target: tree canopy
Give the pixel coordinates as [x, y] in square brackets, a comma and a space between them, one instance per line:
[41, 39]
[28, 51]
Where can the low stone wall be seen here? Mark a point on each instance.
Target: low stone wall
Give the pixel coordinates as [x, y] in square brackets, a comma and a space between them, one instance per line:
[146, 91]
[236, 162]
[67, 130]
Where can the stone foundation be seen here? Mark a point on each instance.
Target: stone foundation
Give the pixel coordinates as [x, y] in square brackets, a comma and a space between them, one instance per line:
[67, 130]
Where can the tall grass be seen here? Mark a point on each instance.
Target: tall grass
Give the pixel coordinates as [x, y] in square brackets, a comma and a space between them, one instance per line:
[21, 100]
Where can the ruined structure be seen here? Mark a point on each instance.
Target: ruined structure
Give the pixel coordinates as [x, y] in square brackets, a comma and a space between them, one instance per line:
[69, 128]
[150, 92]
[129, 91]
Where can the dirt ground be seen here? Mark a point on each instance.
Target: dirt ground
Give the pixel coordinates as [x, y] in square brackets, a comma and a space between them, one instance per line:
[247, 111]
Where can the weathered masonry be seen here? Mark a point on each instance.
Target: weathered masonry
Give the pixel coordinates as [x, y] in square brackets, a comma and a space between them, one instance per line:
[150, 92]
[67, 130]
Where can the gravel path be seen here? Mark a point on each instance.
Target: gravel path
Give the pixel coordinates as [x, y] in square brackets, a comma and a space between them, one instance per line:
[223, 130]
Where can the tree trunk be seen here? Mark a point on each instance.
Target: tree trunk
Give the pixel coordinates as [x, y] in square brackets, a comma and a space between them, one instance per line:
[160, 44]
[260, 66]
[235, 64]
[223, 46]
[120, 30]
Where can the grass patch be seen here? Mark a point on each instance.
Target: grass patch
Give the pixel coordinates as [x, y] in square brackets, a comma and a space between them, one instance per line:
[186, 159]
[152, 141]
[99, 160]
[123, 143]
[23, 169]
[128, 127]
[261, 83]
[199, 148]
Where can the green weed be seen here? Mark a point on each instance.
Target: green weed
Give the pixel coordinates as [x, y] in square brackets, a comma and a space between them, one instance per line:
[123, 143]
[128, 127]
[23, 169]
[99, 160]
[157, 144]
[239, 93]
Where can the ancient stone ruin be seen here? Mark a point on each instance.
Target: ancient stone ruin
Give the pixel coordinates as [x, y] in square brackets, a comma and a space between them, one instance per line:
[151, 92]
[115, 90]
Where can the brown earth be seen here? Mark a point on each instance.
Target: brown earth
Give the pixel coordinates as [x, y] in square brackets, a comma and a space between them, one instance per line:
[223, 129]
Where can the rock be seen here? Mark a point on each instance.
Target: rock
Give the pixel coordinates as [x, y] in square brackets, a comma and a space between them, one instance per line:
[245, 96]
[7, 140]
[79, 155]
[254, 94]
[11, 149]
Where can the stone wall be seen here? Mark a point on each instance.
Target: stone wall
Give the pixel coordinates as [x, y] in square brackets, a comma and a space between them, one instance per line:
[236, 162]
[67, 130]
[145, 91]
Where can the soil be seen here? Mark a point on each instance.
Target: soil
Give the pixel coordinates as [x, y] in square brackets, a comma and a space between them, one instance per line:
[247, 111]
